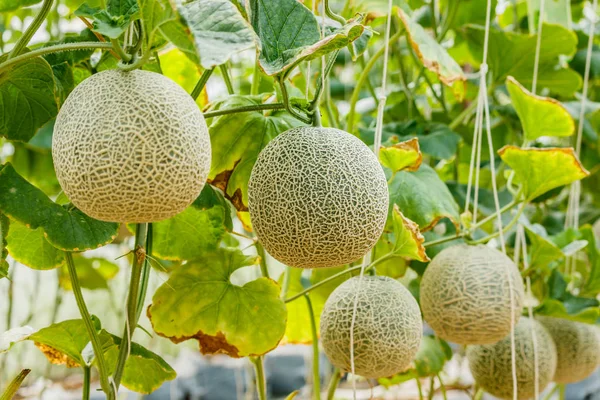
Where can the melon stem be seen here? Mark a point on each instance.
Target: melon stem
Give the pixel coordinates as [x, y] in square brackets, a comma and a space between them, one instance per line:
[315, 346]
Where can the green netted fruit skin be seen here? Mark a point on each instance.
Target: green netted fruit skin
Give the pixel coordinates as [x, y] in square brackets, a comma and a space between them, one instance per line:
[131, 147]
[387, 329]
[491, 364]
[317, 197]
[577, 347]
[465, 294]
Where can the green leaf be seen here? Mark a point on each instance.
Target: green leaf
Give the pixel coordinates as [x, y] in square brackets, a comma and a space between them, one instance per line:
[122, 7]
[236, 140]
[14, 335]
[541, 170]
[514, 54]
[155, 13]
[214, 39]
[200, 302]
[144, 370]
[408, 238]
[4, 229]
[289, 33]
[11, 5]
[93, 273]
[65, 227]
[27, 99]
[467, 11]
[63, 342]
[542, 252]
[592, 283]
[401, 156]
[114, 20]
[540, 116]
[30, 247]
[433, 56]
[423, 197]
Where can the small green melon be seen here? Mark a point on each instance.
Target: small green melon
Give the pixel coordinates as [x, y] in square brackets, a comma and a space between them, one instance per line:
[465, 294]
[491, 364]
[387, 329]
[577, 347]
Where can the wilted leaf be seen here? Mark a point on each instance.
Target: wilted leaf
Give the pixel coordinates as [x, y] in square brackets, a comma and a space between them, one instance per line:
[12, 336]
[30, 247]
[144, 370]
[236, 141]
[200, 302]
[408, 238]
[541, 170]
[65, 227]
[540, 116]
[402, 156]
[27, 99]
[423, 197]
[433, 56]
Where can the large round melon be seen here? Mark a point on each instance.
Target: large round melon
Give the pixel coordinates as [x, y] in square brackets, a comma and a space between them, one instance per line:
[387, 329]
[317, 198]
[466, 297]
[130, 147]
[491, 363]
[577, 347]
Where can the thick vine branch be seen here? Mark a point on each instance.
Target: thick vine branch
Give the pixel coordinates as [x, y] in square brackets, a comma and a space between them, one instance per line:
[31, 29]
[258, 107]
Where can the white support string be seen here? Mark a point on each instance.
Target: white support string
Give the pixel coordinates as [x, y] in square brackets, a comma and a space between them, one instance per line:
[376, 146]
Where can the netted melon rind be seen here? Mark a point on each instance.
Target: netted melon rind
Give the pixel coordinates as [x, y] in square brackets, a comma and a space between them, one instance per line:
[317, 198]
[131, 147]
[577, 347]
[491, 367]
[387, 330]
[465, 294]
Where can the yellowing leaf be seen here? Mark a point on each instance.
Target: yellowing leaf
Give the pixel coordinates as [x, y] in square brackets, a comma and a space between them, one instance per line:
[541, 170]
[433, 56]
[540, 116]
[409, 240]
[200, 302]
[402, 156]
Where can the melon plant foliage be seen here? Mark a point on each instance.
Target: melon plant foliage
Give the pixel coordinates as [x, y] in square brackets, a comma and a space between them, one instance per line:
[238, 164]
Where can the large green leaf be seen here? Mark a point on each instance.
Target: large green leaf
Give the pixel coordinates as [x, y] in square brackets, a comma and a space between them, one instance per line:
[236, 141]
[27, 99]
[11, 5]
[200, 302]
[65, 227]
[93, 273]
[423, 198]
[466, 11]
[540, 116]
[30, 247]
[112, 21]
[213, 40]
[4, 229]
[541, 170]
[514, 54]
[433, 56]
[289, 33]
[144, 370]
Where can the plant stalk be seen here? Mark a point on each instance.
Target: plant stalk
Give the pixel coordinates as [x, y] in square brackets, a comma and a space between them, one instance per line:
[139, 259]
[91, 329]
[261, 384]
[333, 383]
[260, 250]
[86, 383]
[288, 106]
[31, 30]
[227, 78]
[258, 107]
[201, 83]
[145, 279]
[14, 385]
[119, 50]
[315, 347]
[333, 15]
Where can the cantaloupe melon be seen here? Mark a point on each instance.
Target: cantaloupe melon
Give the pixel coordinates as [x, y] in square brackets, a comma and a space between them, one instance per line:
[577, 347]
[131, 147]
[491, 363]
[387, 329]
[317, 198]
[465, 294]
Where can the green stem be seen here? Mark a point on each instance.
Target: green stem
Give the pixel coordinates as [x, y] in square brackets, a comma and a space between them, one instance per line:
[258, 107]
[201, 83]
[255, 78]
[54, 49]
[504, 229]
[286, 283]
[449, 19]
[91, 329]
[226, 78]
[86, 383]
[335, 276]
[370, 88]
[362, 79]
[433, 20]
[329, 107]
[419, 388]
[315, 347]
[478, 394]
[320, 82]
[31, 29]
[14, 385]
[119, 50]
[333, 383]
[463, 115]
[138, 62]
[261, 384]
[139, 259]
[288, 106]
[442, 387]
[145, 279]
[561, 391]
[551, 393]
[333, 15]
[431, 389]
[260, 250]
